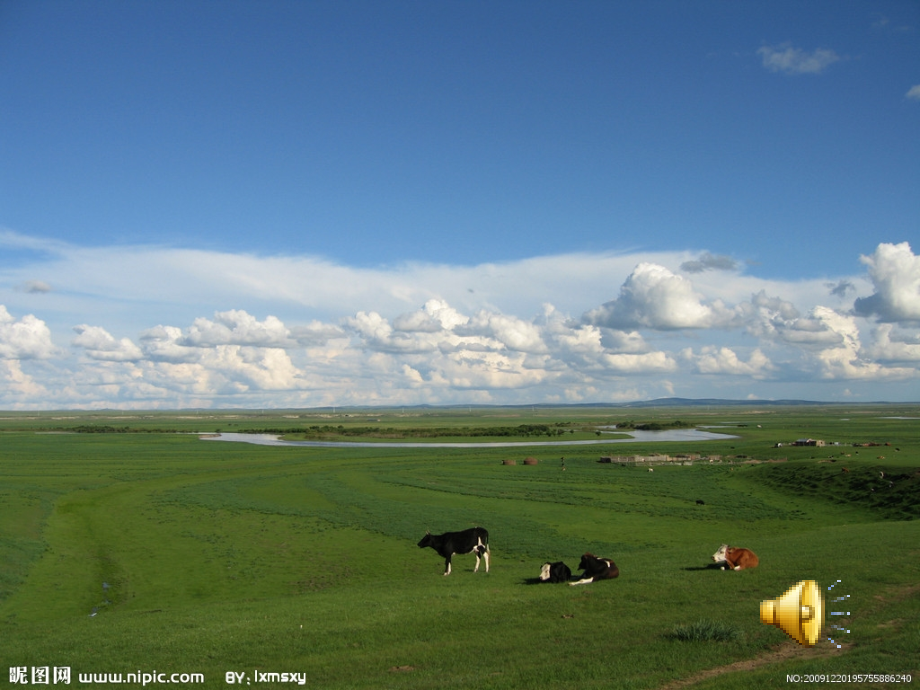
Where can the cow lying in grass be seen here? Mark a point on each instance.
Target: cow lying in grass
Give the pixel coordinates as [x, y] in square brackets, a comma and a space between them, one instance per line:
[555, 572]
[596, 569]
[473, 540]
[735, 558]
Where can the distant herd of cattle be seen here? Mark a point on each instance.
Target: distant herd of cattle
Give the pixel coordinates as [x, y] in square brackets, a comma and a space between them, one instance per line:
[476, 540]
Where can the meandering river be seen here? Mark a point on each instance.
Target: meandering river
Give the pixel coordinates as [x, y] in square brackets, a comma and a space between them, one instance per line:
[634, 437]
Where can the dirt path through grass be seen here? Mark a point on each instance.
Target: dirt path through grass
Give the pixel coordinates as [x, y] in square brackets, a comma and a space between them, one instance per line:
[784, 652]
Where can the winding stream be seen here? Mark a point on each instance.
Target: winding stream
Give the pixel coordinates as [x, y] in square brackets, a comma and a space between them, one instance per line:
[635, 437]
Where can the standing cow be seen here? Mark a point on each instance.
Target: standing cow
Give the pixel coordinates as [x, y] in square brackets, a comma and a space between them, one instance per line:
[473, 540]
[596, 569]
[735, 558]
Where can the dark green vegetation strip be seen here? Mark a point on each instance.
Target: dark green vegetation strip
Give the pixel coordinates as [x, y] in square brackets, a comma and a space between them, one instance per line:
[706, 630]
[209, 557]
[891, 493]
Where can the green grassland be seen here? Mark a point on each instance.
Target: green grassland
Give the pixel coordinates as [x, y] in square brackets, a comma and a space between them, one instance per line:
[128, 544]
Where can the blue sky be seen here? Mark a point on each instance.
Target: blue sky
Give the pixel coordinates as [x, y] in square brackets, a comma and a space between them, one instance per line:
[312, 203]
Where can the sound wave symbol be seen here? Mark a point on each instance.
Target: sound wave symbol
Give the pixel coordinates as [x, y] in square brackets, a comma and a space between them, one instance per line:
[834, 626]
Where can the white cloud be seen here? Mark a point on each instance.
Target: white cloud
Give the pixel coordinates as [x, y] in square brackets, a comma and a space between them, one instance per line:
[654, 297]
[914, 93]
[895, 273]
[889, 345]
[227, 370]
[99, 344]
[724, 360]
[377, 334]
[842, 361]
[774, 319]
[511, 332]
[784, 58]
[485, 371]
[441, 334]
[649, 363]
[848, 360]
[436, 315]
[162, 344]
[17, 385]
[236, 327]
[27, 338]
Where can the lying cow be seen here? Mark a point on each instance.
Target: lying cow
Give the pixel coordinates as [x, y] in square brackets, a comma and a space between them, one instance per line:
[555, 572]
[473, 540]
[596, 569]
[735, 558]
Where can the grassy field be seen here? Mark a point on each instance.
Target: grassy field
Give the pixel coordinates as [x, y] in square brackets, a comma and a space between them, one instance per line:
[128, 548]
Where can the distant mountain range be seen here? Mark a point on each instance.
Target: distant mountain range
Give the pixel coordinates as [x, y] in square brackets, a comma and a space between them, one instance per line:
[668, 402]
[709, 402]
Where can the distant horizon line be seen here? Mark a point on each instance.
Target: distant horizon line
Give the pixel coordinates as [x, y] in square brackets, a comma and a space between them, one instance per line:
[655, 402]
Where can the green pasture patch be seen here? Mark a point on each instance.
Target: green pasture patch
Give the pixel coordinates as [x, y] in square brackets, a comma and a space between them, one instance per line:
[23, 511]
[209, 557]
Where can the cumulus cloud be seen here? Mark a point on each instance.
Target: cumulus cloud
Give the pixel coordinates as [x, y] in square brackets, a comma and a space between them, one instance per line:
[847, 361]
[511, 332]
[895, 273]
[776, 320]
[784, 58]
[681, 322]
[709, 262]
[377, 334]
[228, 370]
[26, 338]
[436, 315]
[894, 346]
[99, 344]
[649, 363]
[914, 93]
[236, 327]
[723, 360]
[17, 384]
[766, 316]
[817, 329]
[162, 344]
[654, 297]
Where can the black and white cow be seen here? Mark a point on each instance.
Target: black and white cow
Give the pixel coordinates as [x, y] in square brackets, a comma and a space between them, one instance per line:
[596, 569]
[555, 572]
[473, 540]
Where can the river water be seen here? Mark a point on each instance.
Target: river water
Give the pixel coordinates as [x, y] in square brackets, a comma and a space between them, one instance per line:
[634, 437]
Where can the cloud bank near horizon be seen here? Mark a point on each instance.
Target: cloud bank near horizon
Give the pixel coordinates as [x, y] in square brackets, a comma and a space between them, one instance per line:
[137, 327]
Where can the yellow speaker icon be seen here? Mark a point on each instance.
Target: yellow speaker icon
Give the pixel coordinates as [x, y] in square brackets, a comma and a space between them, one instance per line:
[799, 612]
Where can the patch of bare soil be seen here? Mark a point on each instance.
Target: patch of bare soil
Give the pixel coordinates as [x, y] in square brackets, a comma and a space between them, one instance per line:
[894, 595]
[401, 669]
[784, 652]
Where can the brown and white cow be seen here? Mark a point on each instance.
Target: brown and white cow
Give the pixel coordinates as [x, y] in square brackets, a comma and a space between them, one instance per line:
[596, 569]
[735, 558]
